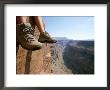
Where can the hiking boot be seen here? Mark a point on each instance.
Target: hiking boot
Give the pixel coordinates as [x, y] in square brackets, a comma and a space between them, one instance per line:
[45, 37]
[25, 36]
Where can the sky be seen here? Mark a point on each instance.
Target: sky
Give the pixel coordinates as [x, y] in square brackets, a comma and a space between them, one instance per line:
[71, 27]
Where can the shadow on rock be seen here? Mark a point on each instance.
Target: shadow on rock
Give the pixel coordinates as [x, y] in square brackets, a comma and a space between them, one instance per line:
[28, 60]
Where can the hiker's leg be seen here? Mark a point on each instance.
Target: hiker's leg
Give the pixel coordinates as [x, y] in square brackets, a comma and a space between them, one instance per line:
[21, 19]
[39, 23]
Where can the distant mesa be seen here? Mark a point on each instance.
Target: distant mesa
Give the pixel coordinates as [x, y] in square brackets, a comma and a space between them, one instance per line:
[61, 38]
[65, 38]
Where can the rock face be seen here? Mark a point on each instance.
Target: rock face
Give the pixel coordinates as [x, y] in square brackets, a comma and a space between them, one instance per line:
[34, 62]
[58, 66]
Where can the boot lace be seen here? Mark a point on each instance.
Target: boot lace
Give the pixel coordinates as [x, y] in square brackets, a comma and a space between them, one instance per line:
[28, 32]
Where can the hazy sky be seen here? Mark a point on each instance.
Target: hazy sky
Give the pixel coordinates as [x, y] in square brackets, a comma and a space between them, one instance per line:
[77, 28]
